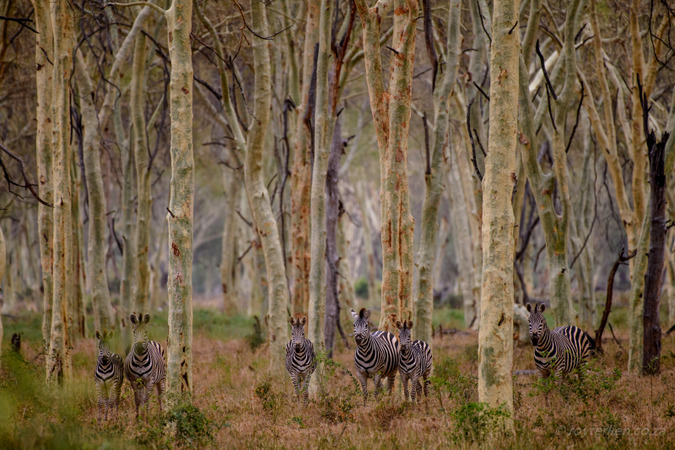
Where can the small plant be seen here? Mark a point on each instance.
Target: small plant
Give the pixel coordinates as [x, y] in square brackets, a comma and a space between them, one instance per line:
[361, 287]
[264, 392]
[191, 426]
[448, 378]
[474, 422]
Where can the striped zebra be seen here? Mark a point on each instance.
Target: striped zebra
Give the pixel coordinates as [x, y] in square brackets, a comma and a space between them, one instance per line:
[562, 349]
[416, 361]
[377, 354]
[144, 366]
[109, 376]
[300, 361]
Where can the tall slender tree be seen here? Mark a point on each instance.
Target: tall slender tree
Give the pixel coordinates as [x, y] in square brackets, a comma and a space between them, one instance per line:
[495, 338]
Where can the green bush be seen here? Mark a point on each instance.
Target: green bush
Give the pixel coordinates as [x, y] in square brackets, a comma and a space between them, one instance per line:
[474, 422]
[361, 288]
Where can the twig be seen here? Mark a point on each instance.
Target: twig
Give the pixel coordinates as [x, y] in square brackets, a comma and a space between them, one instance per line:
[482, 24]
[426, 141]
[481, 91]
[247, 222]
[473, 144]
[22, 168]
[151, 5]
[576, 122]
[543, 69]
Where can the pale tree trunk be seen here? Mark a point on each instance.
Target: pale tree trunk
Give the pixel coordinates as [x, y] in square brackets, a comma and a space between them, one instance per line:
[555, 226]
[97, 246]
[391, 114]
[347, 296]
[3, 265]
[58, 357]
[495, 338]
[462, 241]
[181, 203]
[258, 196]
[142, 159]
[323, 132]
[433, 176]
[230, 247]
[156, 294]
[78, 318]
[301, 175]
[373, 291]
[635, 305]
[671, 287]
[43, 144]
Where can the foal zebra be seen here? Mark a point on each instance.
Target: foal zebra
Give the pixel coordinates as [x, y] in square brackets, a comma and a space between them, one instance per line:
[416, 361]
[300, 361]
[562, 349]
[377, 354]
[109, 376]
[144, 366]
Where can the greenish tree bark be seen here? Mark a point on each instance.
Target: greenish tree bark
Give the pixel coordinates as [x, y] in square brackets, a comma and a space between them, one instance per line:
[181, 203]
[302, 167]
[391, 115]
[144, 194]
[58, 357]
[97, 277]
[44, 49]
[258, 196]
[3, 265]
[495, 337]
[434, 180]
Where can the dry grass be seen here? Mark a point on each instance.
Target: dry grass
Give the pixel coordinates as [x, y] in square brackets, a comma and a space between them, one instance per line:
[248, 407]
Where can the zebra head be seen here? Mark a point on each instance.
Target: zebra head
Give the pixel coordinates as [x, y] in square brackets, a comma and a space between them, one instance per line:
[405, 335]
[361, 325]
[104, 353]
[298, 331]
[140, 332]
[537, 322]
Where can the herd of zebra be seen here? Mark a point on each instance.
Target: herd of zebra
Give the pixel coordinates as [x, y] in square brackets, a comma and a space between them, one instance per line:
[144, 367]
[378, 355]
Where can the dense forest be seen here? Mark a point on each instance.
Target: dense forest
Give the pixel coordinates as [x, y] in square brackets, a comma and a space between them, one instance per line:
[476, 196]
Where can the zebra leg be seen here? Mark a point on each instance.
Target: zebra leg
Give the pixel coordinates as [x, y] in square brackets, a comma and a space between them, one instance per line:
[377, 379]
[138, 394]
[404, 381]
[363, 378]
[414, 382]
[390, 383]
[160, 392]
[305, 388]
[427, 382]
[296, 386]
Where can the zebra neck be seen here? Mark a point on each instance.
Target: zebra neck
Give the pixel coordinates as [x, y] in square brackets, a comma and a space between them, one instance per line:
[366, 345]
[545, 343]
[407, 357]
[141, 348]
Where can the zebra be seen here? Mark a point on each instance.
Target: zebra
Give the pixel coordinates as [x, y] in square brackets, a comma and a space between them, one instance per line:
[562, 349]
[300, 361]
[144, 366]
[377, 354]
[109, 376]
[416, 361]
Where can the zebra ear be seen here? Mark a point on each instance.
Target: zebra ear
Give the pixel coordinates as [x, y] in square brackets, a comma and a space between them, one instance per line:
[366, 313]
[410, 324]
[303, 320]
[399, 325]
[133, 319]
[542, 307]
[291, 320]
[98, 335]
[528, 307]
[354, 315]
[147, 318]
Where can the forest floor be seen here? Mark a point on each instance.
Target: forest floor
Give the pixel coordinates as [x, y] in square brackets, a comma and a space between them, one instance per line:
[239, 404]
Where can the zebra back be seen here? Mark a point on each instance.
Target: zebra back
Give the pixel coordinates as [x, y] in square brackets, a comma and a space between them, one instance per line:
[380, 353]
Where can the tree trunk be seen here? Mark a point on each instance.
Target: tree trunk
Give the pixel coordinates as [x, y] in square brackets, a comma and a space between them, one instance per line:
[301, 176]
[58, 357]
[333, 213]
[96, 276]
[651, 354]
[424, 305]
[495, 338]
[181, 203]
[78, 318]
[230, 248]
[258, 197]
[142, 159]
[3, 265]
[347, 296]
[43, 144]
[391, 114]
[636, 303]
